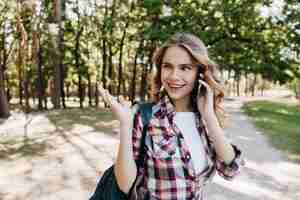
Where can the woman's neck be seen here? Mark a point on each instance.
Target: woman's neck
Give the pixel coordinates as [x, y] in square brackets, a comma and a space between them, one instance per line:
[183, 105]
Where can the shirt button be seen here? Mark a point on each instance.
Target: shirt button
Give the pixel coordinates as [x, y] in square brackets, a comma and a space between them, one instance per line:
[192, 176]
[188, 157]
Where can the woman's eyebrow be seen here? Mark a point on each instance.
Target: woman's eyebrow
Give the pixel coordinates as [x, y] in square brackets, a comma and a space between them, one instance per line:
[183, 64]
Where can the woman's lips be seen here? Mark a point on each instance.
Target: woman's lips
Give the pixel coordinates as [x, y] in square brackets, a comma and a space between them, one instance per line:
[175, 86]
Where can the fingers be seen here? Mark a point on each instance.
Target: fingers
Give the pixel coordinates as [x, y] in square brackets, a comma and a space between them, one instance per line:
[110, 100]
[123, 101]
[201, 82]
[206, 85]
[107, 98]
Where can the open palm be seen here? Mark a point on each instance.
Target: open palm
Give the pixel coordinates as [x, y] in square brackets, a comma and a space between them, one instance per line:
[120, 109]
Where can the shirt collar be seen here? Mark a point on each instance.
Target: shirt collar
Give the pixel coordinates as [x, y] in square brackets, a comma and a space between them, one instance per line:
[165, 107]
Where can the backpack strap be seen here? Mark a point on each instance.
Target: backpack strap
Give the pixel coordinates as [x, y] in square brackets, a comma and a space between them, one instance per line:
[146, 114]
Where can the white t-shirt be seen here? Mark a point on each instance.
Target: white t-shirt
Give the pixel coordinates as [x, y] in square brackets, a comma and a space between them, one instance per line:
[186, 122]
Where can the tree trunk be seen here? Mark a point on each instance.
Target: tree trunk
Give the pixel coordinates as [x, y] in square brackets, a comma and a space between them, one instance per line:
[8, 94]
[143, 80]
[149, 71]
[104, 47]
[96, 85]
[228, 85]
[120, 75]
[297, 89]
[41, 89]
[146, 69]
[56, 92]
[238, 77]
[143, 83]
[20, 75]
[68, 90]
[58, 69]
[79, 78]
[104, 63]
[96, 95]
[61, 48]
[89, 89]
[134, 79]
[246, 84]
[4, 107]
[80, 90]
[61, 65]
[253, 85]
[37, 50]
[263, 87]
[110, 69]
[77, 64]
[124, 89]
[26, 92]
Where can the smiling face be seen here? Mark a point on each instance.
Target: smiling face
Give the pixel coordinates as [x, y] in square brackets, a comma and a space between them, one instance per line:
[178, 75]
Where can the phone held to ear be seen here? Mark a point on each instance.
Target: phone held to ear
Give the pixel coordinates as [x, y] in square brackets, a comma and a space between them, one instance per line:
[200, 76]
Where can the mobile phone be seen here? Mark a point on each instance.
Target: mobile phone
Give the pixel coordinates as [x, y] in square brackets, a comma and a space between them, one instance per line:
[201, 70]
[200, 75]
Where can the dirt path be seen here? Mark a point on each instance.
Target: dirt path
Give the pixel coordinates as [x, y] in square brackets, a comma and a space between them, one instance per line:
[267, 175]
[67, 169]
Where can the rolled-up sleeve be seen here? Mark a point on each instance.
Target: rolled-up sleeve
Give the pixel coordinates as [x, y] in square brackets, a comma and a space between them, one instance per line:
[229, 171]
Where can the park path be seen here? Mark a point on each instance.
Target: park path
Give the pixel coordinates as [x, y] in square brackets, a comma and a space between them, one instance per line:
[268, 175]
[67, 169]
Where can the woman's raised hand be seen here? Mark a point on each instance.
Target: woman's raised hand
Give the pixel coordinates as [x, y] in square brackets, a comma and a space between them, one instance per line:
[120, 109]
[205, 103]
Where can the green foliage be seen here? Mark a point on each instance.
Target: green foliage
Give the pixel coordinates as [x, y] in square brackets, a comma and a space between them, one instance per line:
[239, 38]
[153, 6]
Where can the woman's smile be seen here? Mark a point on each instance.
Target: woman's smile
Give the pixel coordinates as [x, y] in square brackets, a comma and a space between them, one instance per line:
[175, 86]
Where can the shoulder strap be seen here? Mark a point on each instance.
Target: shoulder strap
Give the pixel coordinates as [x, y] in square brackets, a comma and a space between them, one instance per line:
[146, 114]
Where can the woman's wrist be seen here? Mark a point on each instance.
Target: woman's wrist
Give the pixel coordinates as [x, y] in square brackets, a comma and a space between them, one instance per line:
[211, 120]
[125, 123]
[223, 148]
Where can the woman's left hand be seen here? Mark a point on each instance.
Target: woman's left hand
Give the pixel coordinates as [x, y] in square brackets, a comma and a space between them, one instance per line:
[205, 103]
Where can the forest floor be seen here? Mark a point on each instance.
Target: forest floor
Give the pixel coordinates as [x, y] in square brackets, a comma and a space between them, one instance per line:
[61, 155]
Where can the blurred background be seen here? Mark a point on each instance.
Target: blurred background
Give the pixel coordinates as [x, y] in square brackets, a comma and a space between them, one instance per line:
[57, 136]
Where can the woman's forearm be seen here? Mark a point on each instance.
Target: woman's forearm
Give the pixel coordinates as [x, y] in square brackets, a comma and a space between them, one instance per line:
[125, 167]
[223, 148]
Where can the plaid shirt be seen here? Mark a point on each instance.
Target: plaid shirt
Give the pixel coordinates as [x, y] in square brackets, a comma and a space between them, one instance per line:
[168, 173]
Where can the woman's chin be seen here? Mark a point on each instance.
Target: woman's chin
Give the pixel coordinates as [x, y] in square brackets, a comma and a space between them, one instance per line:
[175, 96]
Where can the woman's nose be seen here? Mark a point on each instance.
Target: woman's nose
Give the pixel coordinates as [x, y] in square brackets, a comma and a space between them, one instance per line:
[174, 74]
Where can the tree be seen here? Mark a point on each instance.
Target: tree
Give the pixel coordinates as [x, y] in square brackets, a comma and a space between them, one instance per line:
[58, 92]
[4, 55]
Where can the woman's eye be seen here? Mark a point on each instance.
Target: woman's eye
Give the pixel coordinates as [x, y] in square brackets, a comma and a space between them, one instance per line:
[186, 68]
[166, 66]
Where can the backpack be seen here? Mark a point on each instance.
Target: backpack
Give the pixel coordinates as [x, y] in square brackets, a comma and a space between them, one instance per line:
[107, 187]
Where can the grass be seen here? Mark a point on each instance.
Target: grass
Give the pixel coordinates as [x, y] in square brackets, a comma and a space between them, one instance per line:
[99, 119]
[281, 122]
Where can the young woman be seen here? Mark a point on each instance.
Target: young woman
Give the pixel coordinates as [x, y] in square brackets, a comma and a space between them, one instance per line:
[185, 142]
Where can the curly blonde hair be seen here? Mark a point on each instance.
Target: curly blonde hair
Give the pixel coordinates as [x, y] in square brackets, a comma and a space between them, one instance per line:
[199, 54]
